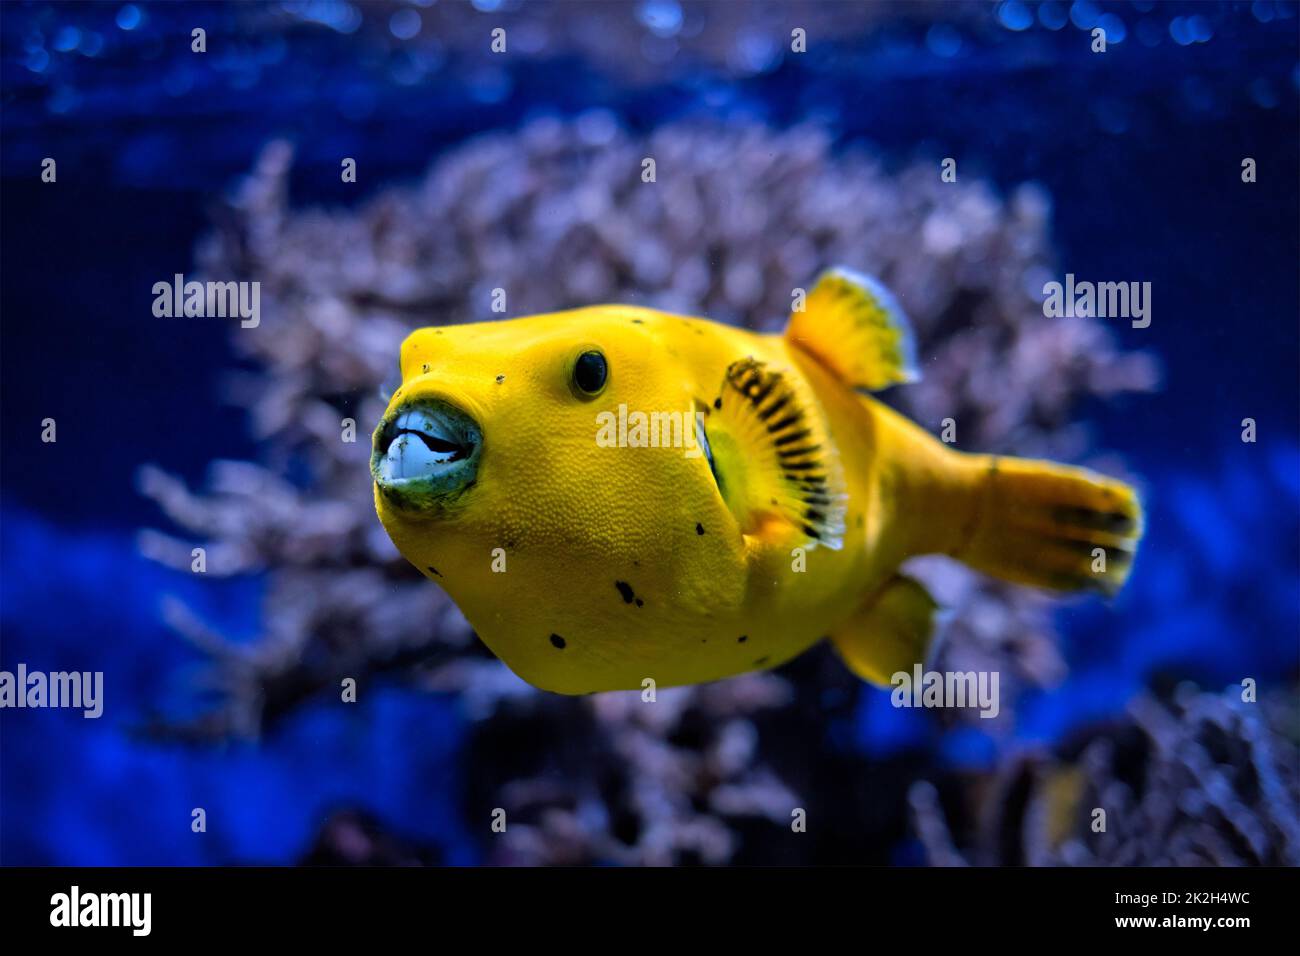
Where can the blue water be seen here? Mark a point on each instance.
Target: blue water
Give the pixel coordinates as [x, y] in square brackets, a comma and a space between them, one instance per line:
[1140, 149]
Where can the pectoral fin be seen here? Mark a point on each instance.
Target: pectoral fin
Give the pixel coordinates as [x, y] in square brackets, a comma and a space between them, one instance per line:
[776, 467]
[890, 633]
[853, 326]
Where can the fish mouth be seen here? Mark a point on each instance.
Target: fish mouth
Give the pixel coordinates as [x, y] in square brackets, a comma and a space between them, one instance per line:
[425, 450]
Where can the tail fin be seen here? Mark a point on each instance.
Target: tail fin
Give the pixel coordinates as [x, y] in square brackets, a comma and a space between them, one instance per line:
[1052, 526]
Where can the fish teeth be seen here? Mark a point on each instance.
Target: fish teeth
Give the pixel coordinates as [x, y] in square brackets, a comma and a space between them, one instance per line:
[421, 421]
[408, 457]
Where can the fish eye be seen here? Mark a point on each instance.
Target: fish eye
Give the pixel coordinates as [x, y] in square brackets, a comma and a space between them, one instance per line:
[590, 372]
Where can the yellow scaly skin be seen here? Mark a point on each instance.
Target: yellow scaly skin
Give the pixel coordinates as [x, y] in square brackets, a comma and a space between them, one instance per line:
[574, 518]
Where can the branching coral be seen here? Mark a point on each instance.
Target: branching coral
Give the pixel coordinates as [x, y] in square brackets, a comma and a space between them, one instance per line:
[557, 215]
[1209, 780]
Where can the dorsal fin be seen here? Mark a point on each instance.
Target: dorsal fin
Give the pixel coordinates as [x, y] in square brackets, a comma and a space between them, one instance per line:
[774, 456]
[853, 326]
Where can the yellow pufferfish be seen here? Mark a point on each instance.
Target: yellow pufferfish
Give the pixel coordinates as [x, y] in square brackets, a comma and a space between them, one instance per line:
[772, 506]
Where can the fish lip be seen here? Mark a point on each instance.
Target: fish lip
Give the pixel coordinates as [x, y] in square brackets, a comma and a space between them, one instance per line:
[448, 425]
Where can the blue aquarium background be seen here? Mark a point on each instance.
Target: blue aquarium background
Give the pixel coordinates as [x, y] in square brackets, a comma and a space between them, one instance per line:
[521, 169]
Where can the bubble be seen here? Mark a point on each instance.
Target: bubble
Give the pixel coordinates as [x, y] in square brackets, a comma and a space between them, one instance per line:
[1014, 15]
[91, 43]
[1052, 15]
[942, 40]
[1114, 27]
[129, 17]
[755, 52]
[404, 24]
[661, 17]
[1084, 15]
[339, 17]
[66, 39]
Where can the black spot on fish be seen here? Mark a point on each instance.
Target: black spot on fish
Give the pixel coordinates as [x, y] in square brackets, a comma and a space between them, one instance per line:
[699, 528]
[742, 639]
[625, 589]
[557, 641]
[435, 570]
[639, 602]
[500, 379]
[425, 368]
[717, 402]
[637, 322]
[761, 661]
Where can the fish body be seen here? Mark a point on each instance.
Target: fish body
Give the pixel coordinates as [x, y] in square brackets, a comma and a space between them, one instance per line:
[615, 495]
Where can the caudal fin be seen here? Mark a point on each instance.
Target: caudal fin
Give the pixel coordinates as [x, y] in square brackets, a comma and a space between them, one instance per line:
[1052, 526]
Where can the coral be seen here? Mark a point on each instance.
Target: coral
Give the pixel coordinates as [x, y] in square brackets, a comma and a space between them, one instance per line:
[556, 214]
[1205, 780]
[350, 838]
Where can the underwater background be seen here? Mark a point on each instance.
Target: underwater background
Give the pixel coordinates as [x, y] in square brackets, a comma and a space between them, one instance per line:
[521, 170]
